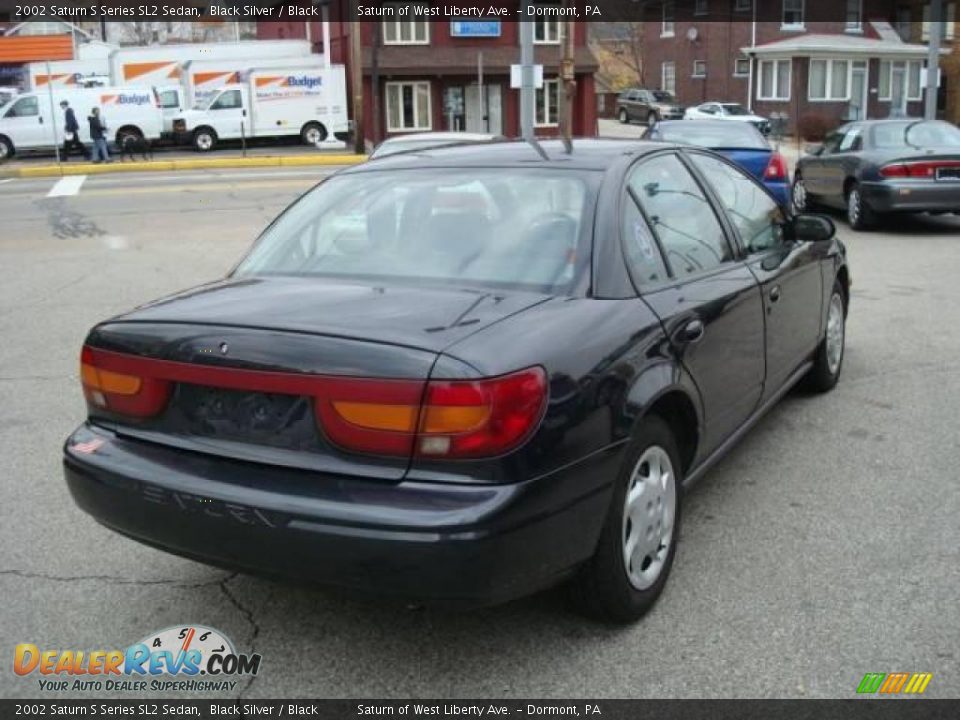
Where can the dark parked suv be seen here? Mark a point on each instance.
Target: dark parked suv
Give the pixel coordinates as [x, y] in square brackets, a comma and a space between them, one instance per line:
[647, 106]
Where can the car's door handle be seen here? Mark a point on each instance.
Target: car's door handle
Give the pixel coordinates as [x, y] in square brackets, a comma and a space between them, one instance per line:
[693, 331]
[774, 293]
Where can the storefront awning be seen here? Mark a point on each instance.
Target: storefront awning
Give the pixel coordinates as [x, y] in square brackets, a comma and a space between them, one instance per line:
[833, 45]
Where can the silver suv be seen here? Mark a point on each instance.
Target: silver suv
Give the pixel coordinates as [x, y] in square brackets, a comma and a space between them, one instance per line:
[647, 106]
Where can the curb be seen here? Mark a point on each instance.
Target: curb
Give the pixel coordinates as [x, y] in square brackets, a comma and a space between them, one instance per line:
[166, 165]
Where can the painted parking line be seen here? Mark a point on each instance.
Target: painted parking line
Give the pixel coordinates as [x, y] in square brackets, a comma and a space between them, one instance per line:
[69, 185]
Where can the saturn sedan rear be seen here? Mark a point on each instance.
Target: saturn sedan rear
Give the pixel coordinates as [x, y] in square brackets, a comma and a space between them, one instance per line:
[462, 375]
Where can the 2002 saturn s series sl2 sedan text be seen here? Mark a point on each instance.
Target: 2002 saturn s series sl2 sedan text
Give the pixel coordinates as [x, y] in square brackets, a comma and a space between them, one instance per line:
[464, 374]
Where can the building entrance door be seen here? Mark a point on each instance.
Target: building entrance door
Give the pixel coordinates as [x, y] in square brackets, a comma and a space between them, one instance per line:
[483, 109]
[858, 91]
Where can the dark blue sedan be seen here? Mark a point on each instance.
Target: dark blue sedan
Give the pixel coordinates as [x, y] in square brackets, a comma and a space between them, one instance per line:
[741, 142]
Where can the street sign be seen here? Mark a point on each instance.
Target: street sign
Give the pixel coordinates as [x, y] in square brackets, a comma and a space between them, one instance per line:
[923, 77]
[475, 28]
[516, 76]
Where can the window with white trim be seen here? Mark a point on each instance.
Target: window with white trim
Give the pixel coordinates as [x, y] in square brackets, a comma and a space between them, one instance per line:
[742, 5]
[792, 14]
[699, 68]
[547, 104]
[829, 80]
[948, 16]
[854, 20]
[406, 32]
[701, 7]
[741, 67]
[911, 81]
[667, 24]
[546, 31]
[775, 77]
[409, 106]
[668, 77]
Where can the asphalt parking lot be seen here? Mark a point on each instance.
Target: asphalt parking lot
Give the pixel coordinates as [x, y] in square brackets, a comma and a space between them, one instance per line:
[827, 545]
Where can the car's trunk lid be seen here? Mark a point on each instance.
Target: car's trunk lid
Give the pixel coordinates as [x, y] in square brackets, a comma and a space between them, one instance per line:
[753, 160]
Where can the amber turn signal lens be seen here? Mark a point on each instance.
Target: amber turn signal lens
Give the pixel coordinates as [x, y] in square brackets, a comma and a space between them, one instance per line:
[110, 382]
[375, 416]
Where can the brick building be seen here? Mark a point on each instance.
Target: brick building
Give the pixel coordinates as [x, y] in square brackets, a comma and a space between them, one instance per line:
[838, 59]
[420, 75]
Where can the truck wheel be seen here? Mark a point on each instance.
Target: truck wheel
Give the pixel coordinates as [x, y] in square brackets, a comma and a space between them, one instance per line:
[204, 140]
[313, 133]
[128, 132]
[6, 149]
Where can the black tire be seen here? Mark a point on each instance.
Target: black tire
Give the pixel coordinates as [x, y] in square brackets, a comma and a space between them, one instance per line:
[824, 374]
[860, 216]
[624, 116]
[602, 588]
[801, 201]
[6, 149]
[204, 139]
[652, 118]
[127, 132]
[313, 130]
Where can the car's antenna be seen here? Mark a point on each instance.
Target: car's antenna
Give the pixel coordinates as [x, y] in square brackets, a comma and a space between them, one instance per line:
[536, 146]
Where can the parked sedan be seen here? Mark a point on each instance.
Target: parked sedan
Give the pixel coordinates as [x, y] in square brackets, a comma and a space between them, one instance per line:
[727, 111]
[500, 374]
[875, 167]
[741, 143]
[422, 141]
[647, 106]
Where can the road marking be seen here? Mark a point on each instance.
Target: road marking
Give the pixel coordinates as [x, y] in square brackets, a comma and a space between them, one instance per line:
[7, 180]
[69, 185]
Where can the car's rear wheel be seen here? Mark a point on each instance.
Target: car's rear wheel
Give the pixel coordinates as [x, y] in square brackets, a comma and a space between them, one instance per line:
[638, 542]
[828, 361]
[860, 215]
[6, 149]
[624, 117]
[800, 198]
[651, 119]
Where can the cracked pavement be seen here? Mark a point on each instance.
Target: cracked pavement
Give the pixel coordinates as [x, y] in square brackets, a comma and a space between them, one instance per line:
[825, 546]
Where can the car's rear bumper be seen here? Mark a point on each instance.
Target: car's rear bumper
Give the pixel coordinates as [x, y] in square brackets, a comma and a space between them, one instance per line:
[912, 196]
[460, 544]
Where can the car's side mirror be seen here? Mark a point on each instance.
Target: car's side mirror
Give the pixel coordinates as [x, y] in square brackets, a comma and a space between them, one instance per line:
[812, 228]
[813, 148]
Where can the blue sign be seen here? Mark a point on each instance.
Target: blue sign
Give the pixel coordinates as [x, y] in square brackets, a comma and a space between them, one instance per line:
[475, 28]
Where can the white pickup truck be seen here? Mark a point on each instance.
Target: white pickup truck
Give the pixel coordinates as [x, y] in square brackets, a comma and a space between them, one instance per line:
[271, 102]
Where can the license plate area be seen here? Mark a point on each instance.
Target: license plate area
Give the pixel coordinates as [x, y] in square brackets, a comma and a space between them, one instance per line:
[949, 174]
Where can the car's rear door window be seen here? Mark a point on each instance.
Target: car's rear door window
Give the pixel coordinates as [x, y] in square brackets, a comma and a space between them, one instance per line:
[680, 214]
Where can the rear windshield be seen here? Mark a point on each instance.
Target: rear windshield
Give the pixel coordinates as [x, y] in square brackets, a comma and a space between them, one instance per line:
[720, 134]
[735, 109]
[913, 133]
[500, 228]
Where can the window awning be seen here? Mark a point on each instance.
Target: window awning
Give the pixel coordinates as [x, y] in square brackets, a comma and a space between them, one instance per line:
[33, 48]
[838, 45]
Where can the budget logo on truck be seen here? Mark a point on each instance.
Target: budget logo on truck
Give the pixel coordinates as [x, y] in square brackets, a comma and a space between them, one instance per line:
[287, 86]
[125, 99]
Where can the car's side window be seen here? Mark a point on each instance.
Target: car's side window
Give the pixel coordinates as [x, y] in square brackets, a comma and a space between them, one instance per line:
[756, 216]
[680, 214]
[834, 140]
[643, 255]
[24, 107]
[852, 141]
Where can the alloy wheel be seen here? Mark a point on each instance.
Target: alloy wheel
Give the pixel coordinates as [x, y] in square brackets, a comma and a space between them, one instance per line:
[835, 334]
[799, 195]
[649, 512]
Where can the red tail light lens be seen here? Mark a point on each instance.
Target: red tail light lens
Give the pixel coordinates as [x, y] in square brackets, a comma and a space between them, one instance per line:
[107, 387]
[449, 419]
[776, 168]
[920, 170]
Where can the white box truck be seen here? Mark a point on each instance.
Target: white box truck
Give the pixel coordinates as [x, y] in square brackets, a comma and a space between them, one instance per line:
[34, 120]
[310, 102]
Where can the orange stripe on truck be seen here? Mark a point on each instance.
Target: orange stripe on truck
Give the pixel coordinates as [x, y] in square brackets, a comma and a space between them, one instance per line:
[132, 70]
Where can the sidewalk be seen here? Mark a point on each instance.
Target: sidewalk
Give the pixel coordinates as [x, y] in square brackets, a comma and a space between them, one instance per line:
[182, 159]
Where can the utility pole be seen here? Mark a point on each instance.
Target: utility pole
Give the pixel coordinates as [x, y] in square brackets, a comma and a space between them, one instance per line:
[933, 59]
[526, 78]
[356, 77]
[569, 80]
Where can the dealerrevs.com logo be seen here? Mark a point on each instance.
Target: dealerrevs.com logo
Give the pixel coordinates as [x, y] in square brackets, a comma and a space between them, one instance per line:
[179, 658]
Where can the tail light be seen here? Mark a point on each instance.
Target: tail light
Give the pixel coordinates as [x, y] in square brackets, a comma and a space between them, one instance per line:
[449, 419]
[776, 168]
[120, 392]
[922, 169]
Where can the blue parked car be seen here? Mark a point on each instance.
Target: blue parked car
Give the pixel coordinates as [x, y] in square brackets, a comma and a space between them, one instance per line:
[741, 142]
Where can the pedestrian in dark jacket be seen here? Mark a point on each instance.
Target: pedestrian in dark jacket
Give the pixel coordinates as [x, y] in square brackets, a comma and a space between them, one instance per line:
[98, 131]
[71, 132]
